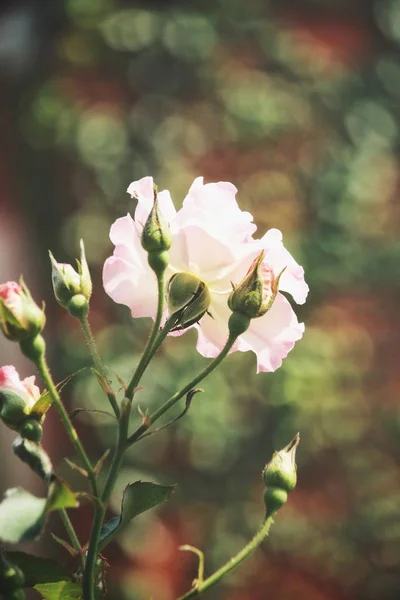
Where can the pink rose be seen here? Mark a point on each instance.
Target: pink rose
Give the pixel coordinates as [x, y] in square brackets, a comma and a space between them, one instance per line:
[25, 389]
[213, 239]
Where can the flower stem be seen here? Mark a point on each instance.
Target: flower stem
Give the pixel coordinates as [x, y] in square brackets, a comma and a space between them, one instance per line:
[70, 429]
[89, 572]
[232, 563]
[72, 534]
[98, 363]
[153, 343]
[178, 395]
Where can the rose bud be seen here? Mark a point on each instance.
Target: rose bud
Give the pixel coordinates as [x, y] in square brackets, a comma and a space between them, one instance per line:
[188, 299]
[280, 476]
[17, 398]
[20, 317]
[72, 288]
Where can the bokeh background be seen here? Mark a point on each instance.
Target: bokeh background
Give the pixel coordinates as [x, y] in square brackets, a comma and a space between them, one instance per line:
[297, 104]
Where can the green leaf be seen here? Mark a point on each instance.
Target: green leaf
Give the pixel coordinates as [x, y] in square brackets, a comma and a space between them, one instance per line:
[37, 569]
[23, 515]
[137, 498]
[60, 590]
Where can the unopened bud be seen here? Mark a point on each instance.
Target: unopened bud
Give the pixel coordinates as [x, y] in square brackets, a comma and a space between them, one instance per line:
[156, 236]
[17, 397]
[20, 317]
[280, 476]
[70, 284]
[12, 578]
[256, 293]
[34, 456]
[31, 429]
[188, 298]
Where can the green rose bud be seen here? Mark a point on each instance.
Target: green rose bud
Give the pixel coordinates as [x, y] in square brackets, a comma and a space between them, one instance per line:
[12, 578]
[156, 236]
[72, 287]
[254, 296]
[188, 299]
[280, 476]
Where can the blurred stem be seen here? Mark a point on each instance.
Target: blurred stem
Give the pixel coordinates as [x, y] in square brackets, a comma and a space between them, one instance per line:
[153, 342]
[232, 563]
[174, 399]
[70, 429]
[72, 534]
[89, 572]
[98, 363]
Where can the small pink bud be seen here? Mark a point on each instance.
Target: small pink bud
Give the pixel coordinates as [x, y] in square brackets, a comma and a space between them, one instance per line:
[20, 317]
[17, 397]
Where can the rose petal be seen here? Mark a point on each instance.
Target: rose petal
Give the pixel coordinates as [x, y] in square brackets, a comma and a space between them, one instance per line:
[277, 257]
[272, 336]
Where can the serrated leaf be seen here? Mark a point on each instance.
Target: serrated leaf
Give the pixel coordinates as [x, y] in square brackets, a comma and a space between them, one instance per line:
[37, 569]
[61, 590]
[23, 515]
[137, 498]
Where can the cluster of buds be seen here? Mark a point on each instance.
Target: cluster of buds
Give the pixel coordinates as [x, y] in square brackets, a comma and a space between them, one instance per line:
[72, 288]
[188, 296]
[254, 295]
[280, 476]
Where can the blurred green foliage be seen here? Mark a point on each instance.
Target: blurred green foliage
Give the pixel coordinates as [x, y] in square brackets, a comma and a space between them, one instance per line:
[298, 105]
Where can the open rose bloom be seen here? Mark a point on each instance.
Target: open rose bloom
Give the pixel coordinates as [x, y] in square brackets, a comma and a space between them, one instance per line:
[213, 239]
[25, 389]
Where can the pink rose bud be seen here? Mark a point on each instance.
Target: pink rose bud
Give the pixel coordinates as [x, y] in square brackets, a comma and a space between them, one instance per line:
[20, 317]
[72, 288]
[17, 397]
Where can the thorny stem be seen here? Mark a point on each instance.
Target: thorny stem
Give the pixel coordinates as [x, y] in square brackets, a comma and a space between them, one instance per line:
[98, 363]
[89, 572]
[70, 429]
[72, 535]
[153, 343]
[178, 395]
[201, 586]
